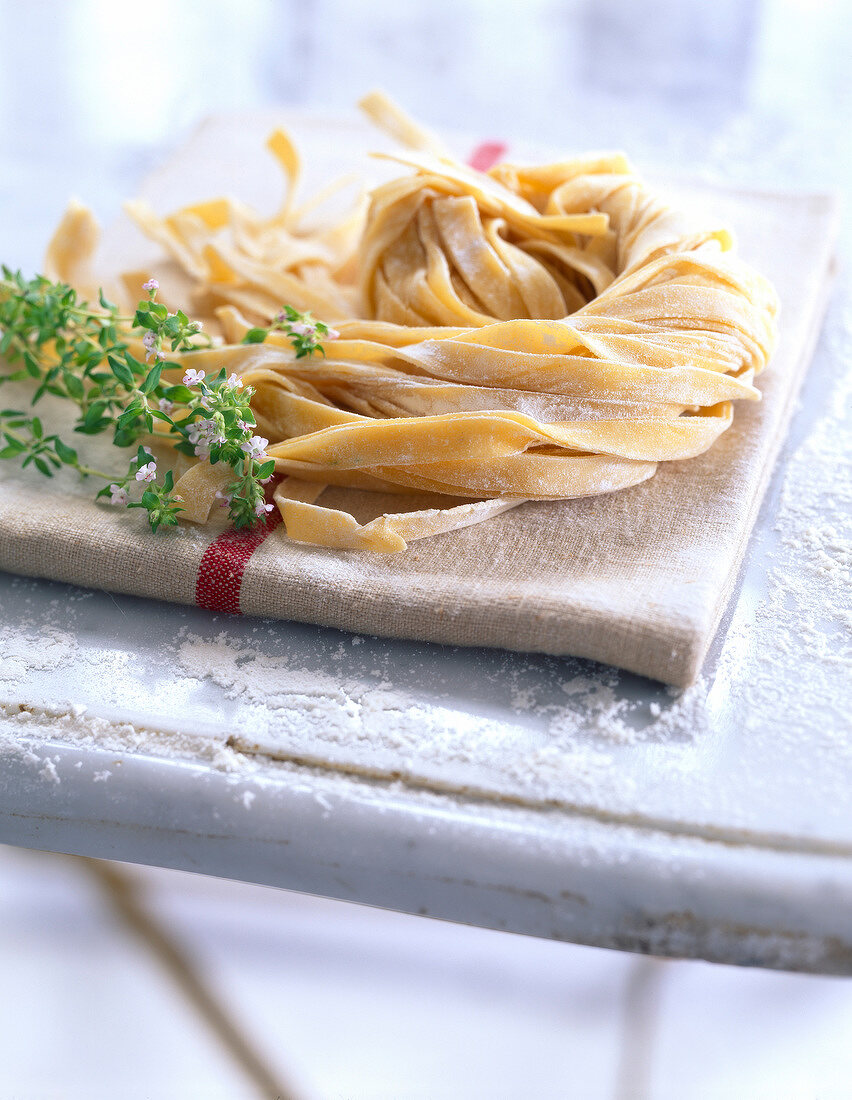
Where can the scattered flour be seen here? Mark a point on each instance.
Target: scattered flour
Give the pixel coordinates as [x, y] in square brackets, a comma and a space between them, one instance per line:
[580, 744]
[48, 771]
[557, 752]
[25, 728]
[805, 619]
[580, 749]
[22, 652]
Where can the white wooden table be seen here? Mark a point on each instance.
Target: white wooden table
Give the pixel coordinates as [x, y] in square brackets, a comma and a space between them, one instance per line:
[721, 828]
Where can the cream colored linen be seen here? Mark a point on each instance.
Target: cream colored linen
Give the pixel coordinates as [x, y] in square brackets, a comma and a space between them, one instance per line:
[638, 578]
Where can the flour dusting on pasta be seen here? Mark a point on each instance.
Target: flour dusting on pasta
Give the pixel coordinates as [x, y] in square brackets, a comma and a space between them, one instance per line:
[534, 332]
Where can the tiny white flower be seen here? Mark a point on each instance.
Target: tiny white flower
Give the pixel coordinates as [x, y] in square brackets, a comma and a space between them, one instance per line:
[223, 498]
[244, 426]
[301, 328]
[196, 326]
[255, 447]
[118, 495]
[193, 377]
[166, 406]
[161, 355]
[150, 342]
[197, 430]
[152, 284]
[261, 509]
[201, 450]
[205, 432]
[332, 334]
[234, 381]
[147, 472]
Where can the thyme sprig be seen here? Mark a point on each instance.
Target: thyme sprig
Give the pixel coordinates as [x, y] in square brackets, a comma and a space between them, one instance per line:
[83, 354]
[304, 331]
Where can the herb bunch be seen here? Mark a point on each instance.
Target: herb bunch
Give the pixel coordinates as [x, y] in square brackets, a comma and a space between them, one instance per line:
[305, 332]
[82, 354]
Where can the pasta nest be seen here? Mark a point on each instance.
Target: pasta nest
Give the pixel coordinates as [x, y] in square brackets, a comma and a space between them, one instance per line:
[536, 332]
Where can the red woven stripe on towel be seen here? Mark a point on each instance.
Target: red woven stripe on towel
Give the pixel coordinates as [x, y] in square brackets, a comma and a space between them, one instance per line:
[220, 574]
[487, 154]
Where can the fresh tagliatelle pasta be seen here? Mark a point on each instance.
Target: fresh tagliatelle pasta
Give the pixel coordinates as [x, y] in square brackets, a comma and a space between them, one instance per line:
[534, 332]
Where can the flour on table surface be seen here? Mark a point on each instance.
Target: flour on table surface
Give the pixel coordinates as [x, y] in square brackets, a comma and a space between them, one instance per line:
[535, 729]
[564, 751]
[25, 730]
[809, 599]
[48, 770]
[42, 650]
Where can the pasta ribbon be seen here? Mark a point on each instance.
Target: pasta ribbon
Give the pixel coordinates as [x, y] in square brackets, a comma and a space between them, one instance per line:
[534, 332]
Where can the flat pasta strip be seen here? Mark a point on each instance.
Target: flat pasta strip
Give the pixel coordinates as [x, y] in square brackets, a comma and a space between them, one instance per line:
[534, 332]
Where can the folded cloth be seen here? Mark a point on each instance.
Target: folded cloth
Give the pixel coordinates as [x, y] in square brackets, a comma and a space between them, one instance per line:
[639, 578]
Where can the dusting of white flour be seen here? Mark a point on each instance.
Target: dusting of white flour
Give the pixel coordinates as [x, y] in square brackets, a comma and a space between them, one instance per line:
[565, 732]
[22, 651]
[805, 619]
